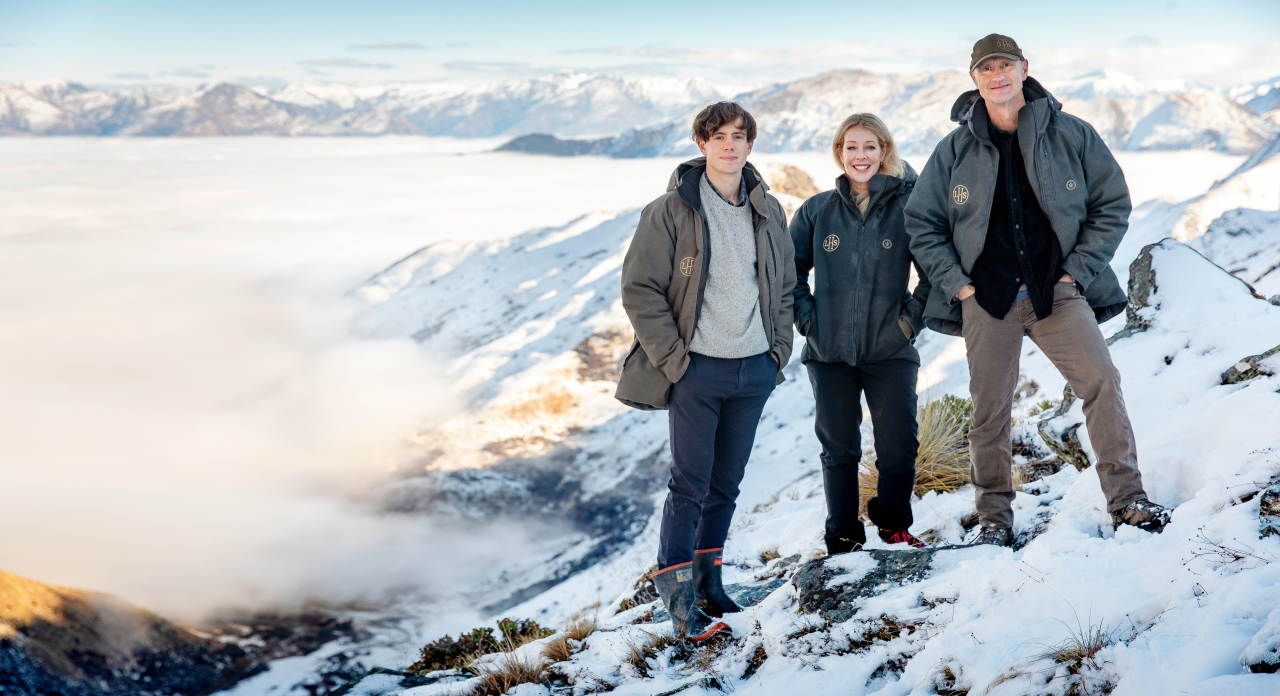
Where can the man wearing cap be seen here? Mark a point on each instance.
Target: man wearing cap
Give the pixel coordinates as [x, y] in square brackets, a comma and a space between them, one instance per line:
[1015, 219]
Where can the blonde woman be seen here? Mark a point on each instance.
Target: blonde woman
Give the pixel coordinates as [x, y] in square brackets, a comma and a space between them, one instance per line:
[859, 321]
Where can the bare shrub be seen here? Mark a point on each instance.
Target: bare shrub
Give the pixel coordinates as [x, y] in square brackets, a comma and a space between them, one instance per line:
[447, 653]
[942, 462]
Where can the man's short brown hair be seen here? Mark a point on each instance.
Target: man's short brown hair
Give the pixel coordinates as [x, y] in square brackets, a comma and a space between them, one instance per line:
[717, 116]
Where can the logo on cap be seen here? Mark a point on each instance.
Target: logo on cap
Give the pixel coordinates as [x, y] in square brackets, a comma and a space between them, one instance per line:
[960, 194]
[1071, 184]
[831, 242]
[1004, 44]
[686, 265]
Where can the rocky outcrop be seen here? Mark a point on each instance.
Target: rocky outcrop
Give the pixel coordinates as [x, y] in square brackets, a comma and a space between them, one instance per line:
[790, 181]
[1142, 286]
[1064, 443]
[1249, 368]
[821, 592]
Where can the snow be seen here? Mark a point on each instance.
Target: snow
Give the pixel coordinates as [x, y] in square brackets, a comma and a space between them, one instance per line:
[1161, 599]
[305, 218]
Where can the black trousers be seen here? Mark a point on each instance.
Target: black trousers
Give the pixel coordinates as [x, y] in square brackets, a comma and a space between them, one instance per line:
[714, 411]
[890, 386]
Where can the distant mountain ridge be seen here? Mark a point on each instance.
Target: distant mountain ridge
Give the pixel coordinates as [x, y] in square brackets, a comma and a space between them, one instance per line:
[567, 103]
[635, 117]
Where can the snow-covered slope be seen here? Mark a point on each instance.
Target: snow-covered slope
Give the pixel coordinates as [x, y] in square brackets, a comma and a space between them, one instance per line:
[1260, 97]
[649, 115]
[531, 329]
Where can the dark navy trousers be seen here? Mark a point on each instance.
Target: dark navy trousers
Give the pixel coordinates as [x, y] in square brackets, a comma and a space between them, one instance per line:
[714, 411]
[890, 386]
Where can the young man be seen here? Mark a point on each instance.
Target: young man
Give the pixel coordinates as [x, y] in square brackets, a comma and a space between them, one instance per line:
[1015, 219]
[707, 285]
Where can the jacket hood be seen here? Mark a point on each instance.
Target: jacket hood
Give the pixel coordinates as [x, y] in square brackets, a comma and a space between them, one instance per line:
[1032, 90]
[881, 187]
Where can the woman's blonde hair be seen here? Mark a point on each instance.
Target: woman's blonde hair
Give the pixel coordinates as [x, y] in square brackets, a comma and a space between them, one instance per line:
[890, 162]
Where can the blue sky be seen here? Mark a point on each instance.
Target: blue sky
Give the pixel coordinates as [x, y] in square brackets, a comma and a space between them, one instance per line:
[740, 44]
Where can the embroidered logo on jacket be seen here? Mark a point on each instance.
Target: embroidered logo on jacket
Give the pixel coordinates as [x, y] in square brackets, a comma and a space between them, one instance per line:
[831, 242]
[686, 265]
[960, 194]
[1071, 184]
[888, 244]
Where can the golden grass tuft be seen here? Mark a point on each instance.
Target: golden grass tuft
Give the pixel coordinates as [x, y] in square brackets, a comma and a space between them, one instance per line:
[508, 671]
[1081, 648]
[942, 462]
[581, 624]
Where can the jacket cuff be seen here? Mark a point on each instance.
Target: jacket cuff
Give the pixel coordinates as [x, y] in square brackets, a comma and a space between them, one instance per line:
[1079, 273]
[952, 282]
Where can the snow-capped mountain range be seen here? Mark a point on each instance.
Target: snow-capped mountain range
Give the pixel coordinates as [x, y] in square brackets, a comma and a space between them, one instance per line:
[565, 103]
[639, 116]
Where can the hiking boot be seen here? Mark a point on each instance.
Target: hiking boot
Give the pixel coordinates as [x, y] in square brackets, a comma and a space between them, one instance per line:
[707, 584]
[890, 536]
[845, 544]
[996, 536]
[676, 588]
[1143, 514]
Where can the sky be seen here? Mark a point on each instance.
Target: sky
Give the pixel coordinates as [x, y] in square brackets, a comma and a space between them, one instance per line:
[745, 44]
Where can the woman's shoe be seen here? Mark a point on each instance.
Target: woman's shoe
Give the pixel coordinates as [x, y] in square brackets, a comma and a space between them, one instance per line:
[890, 536]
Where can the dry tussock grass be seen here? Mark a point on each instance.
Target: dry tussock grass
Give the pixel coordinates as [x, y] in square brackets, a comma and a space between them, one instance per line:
[581, 624]
[1078, 653]
[942, 462]
[506, 673]
[639, 653]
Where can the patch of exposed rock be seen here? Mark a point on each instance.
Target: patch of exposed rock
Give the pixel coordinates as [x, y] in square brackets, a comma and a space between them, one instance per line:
[791, 186]
[1064, 443]
[1249, 368]
[837, 602]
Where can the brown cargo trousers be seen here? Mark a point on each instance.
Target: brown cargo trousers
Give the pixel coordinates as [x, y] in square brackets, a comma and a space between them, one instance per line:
[1071, 339]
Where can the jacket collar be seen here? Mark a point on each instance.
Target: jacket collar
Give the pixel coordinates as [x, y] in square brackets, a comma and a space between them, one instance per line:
[971, 110]
[882, 187]
[687, 177]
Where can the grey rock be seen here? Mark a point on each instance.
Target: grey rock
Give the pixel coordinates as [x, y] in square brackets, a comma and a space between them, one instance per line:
[838, 603]
[745, 594]
[1064, 443]
[1269, 506]
[1249, 368]
[407, 680]
[1142, 285]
